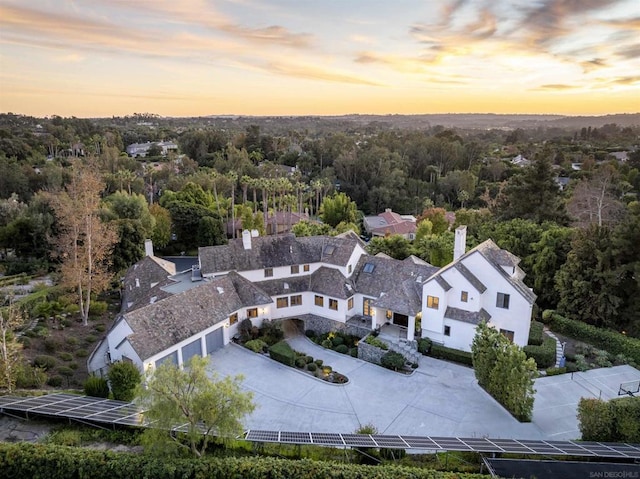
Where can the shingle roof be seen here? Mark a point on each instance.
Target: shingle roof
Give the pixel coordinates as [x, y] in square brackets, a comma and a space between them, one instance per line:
[331, 282]
[469, 276]
[403, 298]
[498, 257]
[142, 277]
[472, 317]
[274, 251]
[277, 287]
[386, 274]
[162, 324]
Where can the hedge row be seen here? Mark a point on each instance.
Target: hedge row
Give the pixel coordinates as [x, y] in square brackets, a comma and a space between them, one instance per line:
[536, 333]
[544, 355]
[282, 352]
[53, 462]
[606, 339]
[613, 421]
[442, 352]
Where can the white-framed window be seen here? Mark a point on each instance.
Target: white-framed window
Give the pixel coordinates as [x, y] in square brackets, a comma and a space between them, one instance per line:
[282, 302]
[502, 301]
[296, 300]
[433, 302]
[319, 300]
[252, 313]
[333, 304]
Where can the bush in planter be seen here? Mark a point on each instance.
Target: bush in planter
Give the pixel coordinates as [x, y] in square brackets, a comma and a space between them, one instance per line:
[244, 328]
[424, 345]
[353, 352]
[308, 359]
[312, 367]
[327, 344]
[392, 360]
[282, 352]
[536, 333]
[555, 371]
[300, 363]
[342, 349]
[271, 332]
[256, 345]
[337, 341]
[319, 362]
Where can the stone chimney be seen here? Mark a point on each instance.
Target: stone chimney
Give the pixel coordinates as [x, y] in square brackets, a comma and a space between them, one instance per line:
[148, 247]
[246, 239]
[460, 245]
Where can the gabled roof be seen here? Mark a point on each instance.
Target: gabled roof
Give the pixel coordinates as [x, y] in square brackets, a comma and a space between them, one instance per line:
[160, 325]
[383, 274]
[389, 222]
[274, 251]
[498, 258]
[144, 276]
[403, 298]
[331, 282]
[471, 317]
[277, 287]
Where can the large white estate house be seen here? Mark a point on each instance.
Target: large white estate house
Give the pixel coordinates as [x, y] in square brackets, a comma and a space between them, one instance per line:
[326, 283]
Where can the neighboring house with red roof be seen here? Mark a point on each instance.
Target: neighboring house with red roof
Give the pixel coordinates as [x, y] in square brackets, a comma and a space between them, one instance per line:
[390, 223]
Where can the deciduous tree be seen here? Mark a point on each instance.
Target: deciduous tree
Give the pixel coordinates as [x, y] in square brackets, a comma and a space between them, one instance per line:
[10, 349]
[176, 397]
[338, 208]
[84, 242]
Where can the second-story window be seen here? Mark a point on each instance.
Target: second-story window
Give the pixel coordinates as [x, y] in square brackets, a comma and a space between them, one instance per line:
[502, 301]
[295, 269]
[333, 304]
[268, 272]
[433, 302]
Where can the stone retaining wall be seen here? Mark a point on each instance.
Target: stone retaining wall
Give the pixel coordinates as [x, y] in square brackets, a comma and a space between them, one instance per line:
[370, 353]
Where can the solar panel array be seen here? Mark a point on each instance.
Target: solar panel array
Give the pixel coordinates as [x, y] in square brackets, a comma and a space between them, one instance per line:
[106, 411]
[81, 408]
[441, 444]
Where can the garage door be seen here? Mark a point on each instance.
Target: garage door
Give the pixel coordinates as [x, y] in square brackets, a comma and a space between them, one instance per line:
[192, 349]
[171, 358]
[215, 340]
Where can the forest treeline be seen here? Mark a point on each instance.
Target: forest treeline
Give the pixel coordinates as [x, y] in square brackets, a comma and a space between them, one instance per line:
[564, 200]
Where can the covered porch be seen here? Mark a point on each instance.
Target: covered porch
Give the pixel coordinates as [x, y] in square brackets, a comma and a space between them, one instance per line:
[397, 325]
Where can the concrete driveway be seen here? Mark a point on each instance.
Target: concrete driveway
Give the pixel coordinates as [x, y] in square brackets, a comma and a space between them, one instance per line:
[439, 399]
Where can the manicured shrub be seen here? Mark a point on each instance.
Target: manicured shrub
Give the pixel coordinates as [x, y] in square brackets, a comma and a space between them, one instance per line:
[244, 328]
[319, 362]
[544, 355]
[312, 367]
[271, 332]
[282, 352]
[51, 345]
[256, 345]
[595, 420]
[308, 359]
[555, 371]
[310, 333]
[66, 356]
[536, 333]
[626, 419]
[55, 381]
[327, 344]
[82, 353]
[97, 387]
[424, 345]
[547, 315]
[65, 372]
[392, 360]
[353, 352]
[342, 349]
[456, 355]
[45, 362]
[300, 363]
[337, 341]
[124, 377]
[65, 437]
[71, 341]
[100, 328]
[90, 338]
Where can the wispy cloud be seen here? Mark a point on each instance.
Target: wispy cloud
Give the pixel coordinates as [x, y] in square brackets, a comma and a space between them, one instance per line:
[316, 73]
[556, 87]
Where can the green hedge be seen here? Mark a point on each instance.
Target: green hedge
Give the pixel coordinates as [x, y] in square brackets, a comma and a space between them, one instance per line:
[545, 355]
[536, 333]
[282, 352]
[611, 341]
[442, 352]
[58, 462]
[617, 420]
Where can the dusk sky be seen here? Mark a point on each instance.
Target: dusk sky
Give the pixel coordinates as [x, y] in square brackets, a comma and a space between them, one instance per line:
[90, 58]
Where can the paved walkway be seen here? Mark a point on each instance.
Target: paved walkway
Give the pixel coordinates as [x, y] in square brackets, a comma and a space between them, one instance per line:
[559, 349]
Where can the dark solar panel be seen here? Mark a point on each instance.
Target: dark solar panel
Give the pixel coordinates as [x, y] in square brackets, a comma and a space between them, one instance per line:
[329, 439]
[358, 440]
[420, 442]
[295, 437]
[263, 436]
[390, 441]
